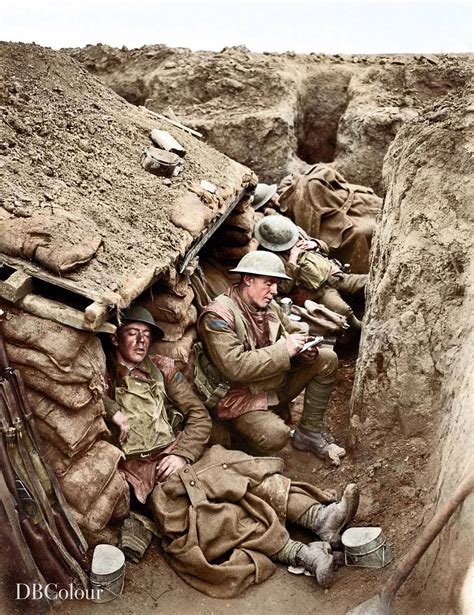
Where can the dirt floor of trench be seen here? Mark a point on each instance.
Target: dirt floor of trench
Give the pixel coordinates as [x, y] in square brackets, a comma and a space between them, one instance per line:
[153, 587]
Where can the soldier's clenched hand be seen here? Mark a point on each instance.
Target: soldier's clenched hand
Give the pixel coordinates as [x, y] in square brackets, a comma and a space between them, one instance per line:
[168, 466]
[121, 421]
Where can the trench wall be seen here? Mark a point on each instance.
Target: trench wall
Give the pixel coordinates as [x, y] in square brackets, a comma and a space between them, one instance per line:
[414, 376]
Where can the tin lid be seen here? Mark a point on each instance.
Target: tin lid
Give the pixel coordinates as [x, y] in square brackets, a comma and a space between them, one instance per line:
[360, 536]
[107, 559]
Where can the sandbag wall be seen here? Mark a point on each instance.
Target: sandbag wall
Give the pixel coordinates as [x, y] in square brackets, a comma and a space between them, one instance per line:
[234, 239]
[170, 301]
[63, 370]
[176, 300]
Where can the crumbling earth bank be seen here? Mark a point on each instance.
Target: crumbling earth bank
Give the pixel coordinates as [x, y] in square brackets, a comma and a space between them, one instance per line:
[275, 113]
[414, 372]
[70, 144]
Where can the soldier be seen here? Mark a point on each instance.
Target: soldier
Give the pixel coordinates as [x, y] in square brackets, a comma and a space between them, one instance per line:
[222, 513]
[265, 194]
[147, 401]
[253, 365]
[312, 275]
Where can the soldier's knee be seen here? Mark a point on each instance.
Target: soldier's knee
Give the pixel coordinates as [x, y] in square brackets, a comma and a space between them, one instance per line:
[329, 362]
[274, 439]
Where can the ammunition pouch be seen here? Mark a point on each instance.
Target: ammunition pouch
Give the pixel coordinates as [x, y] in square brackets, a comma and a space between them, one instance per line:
[211, 384]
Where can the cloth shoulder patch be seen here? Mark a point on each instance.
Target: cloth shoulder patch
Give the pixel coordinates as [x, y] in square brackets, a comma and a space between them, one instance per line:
[217, 324]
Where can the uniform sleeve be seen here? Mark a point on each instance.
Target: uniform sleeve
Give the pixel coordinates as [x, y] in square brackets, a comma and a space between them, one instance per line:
[229, 355]
[197, 426]
[110, 405]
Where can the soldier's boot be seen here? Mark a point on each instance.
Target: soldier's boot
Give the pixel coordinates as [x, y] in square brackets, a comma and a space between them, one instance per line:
[318, 559]
[354, 322]
[309, 434]
[329, 521]
[135, 539]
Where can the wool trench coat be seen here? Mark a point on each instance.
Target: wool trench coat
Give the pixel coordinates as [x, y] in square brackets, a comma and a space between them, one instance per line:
[329, 208]
[222, 519]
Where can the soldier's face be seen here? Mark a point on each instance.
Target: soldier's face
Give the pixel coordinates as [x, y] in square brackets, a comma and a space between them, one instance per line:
[133, 342]
[260, 290]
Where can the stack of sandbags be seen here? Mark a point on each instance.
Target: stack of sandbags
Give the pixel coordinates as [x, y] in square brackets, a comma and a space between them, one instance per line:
[234, 239]
[63, 369]
[210, 280]
[173, 310]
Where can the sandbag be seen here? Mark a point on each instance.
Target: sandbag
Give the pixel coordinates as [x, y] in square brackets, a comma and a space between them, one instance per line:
[191, 214]
[210, 280]
[59, 462]
[112, 504]
[71, 431]
[87, 478]
[242, 206]
[73, 396]
[175, 331]
[233, 236]
[58, 240]
[60, 343]
[179, 350]
[232, 254]
[244, 220]
[88, 365]
[74, 443]
[166, 306]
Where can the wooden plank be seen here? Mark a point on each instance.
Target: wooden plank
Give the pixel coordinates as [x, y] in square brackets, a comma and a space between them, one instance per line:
[96, 314]
[63, 314]
[16, 286]
[191, 131]
[35, 272]
[209, 232]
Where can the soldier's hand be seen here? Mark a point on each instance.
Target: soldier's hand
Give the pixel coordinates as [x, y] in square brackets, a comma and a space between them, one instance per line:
[168, 466]
[309, 355]
[295, 342]
[121, 421]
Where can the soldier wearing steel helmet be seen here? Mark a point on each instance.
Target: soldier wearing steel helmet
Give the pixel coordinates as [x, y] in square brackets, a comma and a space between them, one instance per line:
[312, 275]
[252, 365]
[148, 401]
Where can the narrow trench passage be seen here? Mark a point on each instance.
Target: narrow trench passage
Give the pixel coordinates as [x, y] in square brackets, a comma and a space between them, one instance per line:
[321, 103]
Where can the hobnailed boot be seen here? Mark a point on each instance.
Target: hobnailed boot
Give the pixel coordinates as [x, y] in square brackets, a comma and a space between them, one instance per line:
[329, 521]
[321, 443]
[318, 559]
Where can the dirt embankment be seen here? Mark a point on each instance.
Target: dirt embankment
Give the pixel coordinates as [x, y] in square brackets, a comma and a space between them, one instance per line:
[277, 113]
[70, 144]
[414, 372]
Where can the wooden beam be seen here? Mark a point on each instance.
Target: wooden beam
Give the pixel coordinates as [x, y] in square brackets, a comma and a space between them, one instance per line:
[36, 272]
[63, 314]
[209, 232]
[195, 133]
[96, 314]
[16, 286]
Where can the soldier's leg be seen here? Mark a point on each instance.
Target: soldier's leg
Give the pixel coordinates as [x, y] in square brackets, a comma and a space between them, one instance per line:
[330, 298]
[323, 370]
[352, 283]
[317, 379]
[326, 520]
[263, 432]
